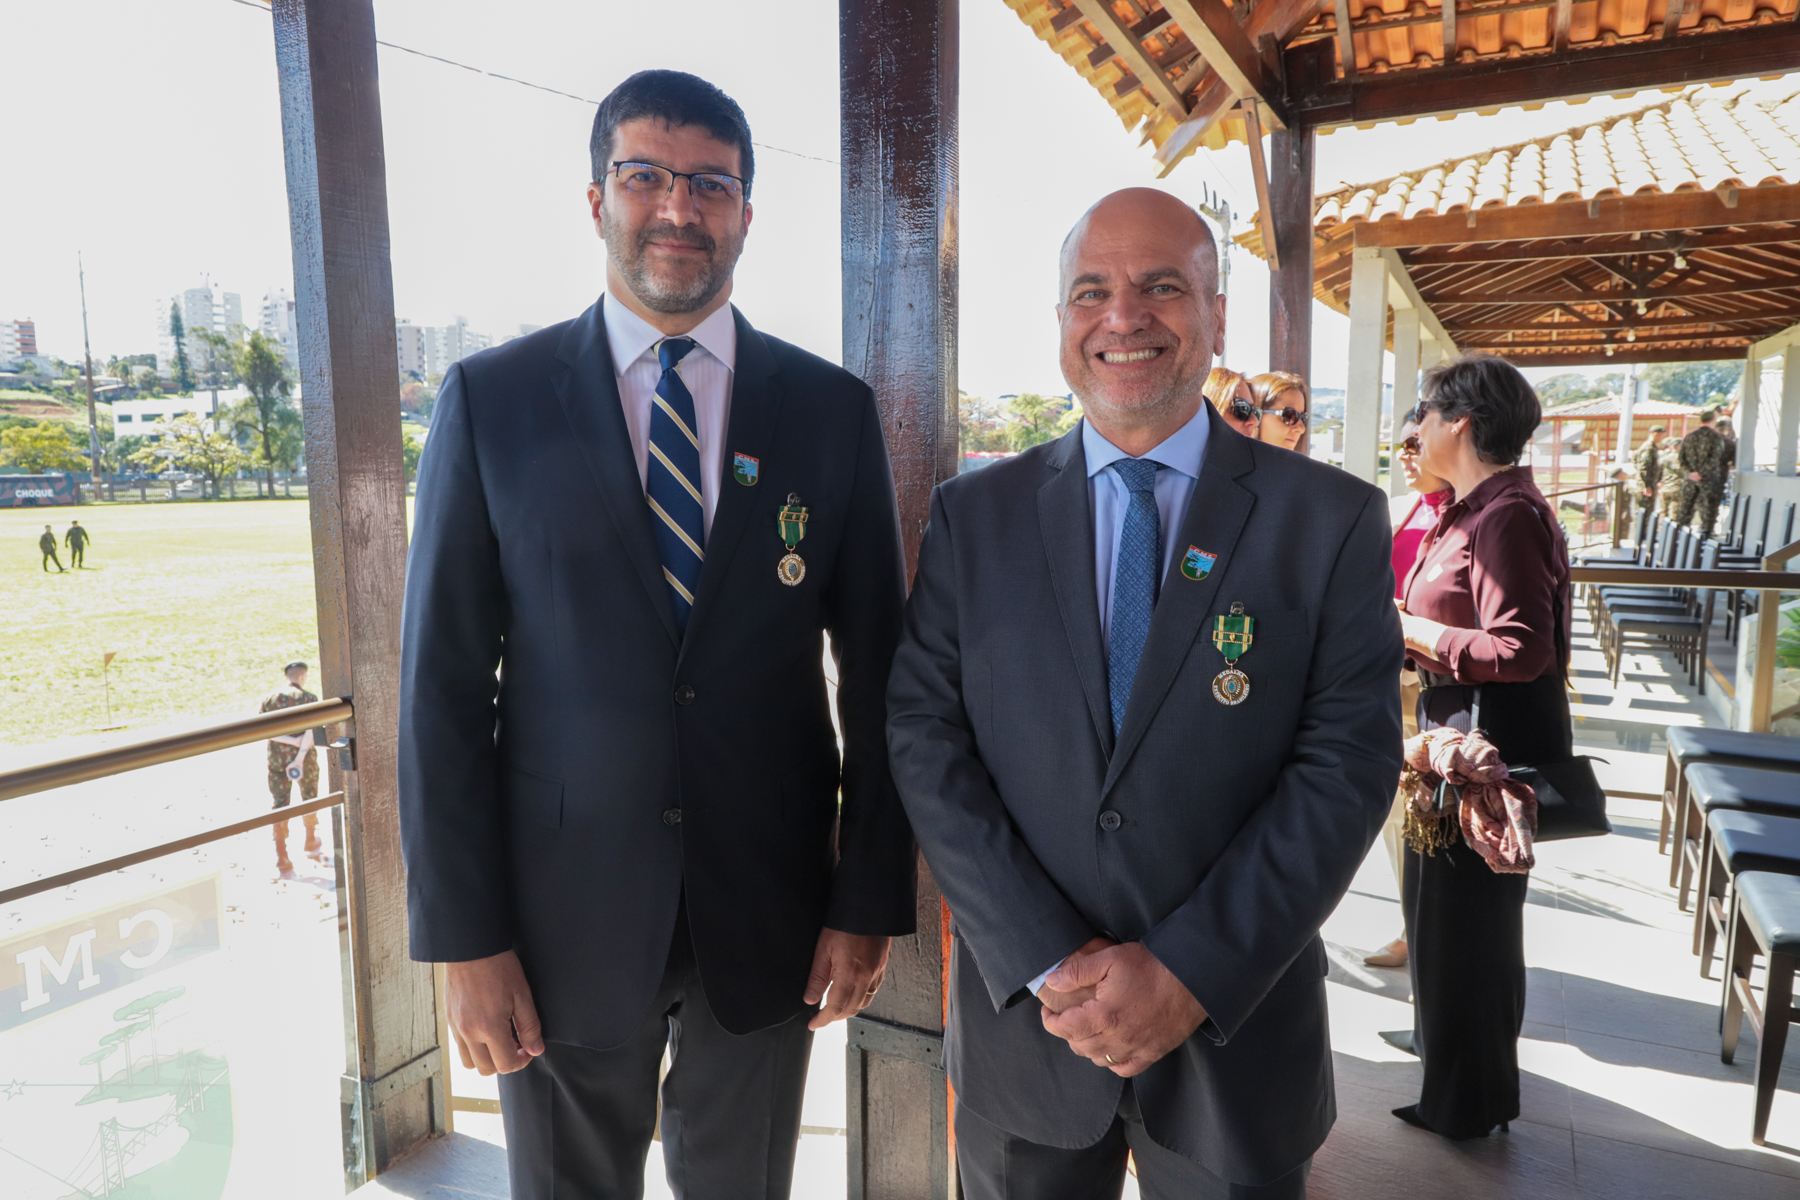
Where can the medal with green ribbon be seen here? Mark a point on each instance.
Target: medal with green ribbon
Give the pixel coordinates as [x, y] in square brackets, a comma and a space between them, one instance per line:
[792, 519]
[1233, 635]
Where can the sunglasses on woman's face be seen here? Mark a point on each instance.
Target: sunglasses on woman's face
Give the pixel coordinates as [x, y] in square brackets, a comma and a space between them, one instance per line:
[1242, 410]
[1409, 444]
[1290, 416]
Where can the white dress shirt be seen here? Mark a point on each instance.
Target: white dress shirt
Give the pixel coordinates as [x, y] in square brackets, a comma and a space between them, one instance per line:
[1178, 457]
[707, 370]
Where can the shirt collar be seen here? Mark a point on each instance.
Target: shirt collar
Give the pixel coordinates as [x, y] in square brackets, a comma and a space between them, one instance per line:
[1183, 450]
[631, 337]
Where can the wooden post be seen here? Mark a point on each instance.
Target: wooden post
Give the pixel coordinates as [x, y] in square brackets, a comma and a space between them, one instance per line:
[337, 211]
[1291, 215]
[1368, 340]
[898, 141]
[1787, 427]
[1406, 389]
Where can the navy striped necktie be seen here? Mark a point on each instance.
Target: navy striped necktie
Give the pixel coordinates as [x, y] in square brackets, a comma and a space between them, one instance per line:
[672, 480]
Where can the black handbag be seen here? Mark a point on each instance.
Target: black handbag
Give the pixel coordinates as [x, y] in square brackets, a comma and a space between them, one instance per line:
[1571, 802]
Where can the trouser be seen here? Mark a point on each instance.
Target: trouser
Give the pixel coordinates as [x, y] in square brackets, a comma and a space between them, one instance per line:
[579, 1121]
[75, 555]
[281, 788]
[50, 557]
[1706, 496]
[995, 1165]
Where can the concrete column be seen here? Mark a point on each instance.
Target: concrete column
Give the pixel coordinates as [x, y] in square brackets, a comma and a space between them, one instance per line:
[1749, 406]
[1789, 426]
[1368, 338]
[1627, 406]
[1406, 388]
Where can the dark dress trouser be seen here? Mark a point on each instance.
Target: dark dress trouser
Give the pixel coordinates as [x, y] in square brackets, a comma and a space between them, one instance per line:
[579, 1122]
[996, 1165]
[1465, 925]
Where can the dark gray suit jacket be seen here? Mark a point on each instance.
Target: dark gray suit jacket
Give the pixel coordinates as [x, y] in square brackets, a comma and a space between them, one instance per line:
[562, 809]
[1219, 837]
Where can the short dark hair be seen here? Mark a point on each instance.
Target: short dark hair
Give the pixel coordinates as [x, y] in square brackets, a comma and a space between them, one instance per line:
[678, 99]
[1504, 412]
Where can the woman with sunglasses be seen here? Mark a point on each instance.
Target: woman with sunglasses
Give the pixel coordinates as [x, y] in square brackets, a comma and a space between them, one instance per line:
[1486, 621]
[1230, 393]
[1414, 512]
[1282, 408]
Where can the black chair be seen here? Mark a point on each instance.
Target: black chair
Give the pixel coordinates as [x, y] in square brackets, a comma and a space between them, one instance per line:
[1764, 788]
[1682, 626]
[1741, 602]
[1730, 747]
[1740, 842]
[1765, 919]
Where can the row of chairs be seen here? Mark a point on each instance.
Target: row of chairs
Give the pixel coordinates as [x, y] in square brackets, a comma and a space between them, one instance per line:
[1753, 528]
[1731, 822]
[1677, 619]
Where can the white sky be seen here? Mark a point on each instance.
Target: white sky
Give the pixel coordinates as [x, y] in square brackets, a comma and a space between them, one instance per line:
[170, 109]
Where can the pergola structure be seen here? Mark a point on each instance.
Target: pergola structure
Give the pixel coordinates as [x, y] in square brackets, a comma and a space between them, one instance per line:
[1198, 70]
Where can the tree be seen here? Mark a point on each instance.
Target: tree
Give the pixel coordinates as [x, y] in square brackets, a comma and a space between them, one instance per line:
[1032, 419]
[410, 449]
[184, 379]
[978, 424]
[148, 381]
[1694, 383]
[214, 361]
[45, 446]
[267, 416]
[124, 449]
[1562, 389]
[190, 444]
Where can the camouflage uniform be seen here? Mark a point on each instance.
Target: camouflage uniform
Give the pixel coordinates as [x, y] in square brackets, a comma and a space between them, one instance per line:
[1668, 489]
[1702, 453]
[1649, 463]
[281, 757]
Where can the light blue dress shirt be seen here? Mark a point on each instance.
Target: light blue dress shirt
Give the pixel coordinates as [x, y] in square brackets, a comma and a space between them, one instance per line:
[1179, 456]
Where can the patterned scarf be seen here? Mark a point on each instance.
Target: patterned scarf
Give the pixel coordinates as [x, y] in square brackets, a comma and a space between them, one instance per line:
[1458, 781]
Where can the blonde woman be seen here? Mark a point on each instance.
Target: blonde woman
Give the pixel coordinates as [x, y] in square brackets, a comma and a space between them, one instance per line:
[1230, 393]
[1283, 406]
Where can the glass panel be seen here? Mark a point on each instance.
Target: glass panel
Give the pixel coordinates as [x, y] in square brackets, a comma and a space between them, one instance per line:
[1786, 701]
[173, 1031]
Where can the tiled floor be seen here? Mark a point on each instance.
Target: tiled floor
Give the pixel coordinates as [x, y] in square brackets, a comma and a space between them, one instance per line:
[1624, 1093]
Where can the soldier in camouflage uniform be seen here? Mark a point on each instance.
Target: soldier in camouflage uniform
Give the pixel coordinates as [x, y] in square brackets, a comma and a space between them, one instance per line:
[292, 758]
[1730, 462]
[1668, 489]
[1649, 463]
[1702, 467]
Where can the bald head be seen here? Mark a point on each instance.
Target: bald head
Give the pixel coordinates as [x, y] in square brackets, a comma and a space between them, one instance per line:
[1141, 315]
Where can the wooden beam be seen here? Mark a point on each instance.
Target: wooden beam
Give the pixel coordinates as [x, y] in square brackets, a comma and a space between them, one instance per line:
[1777, 342]
[1623, 355]
[1671, 19]
[898, 71]
[1602, 247]
[1131, 53]
[1655, 213]
[1533, 78]
[1560, 39]
[344, 301]
[1223, 44]
[1623, 296]
[1495, 340]
[1211, 101]
[1259, 173]
[1346, 38]
[1448, 18]
[1764, 317]
[1291, 287]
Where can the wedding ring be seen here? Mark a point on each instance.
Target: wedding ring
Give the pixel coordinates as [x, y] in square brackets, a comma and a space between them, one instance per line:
[1112, 1060]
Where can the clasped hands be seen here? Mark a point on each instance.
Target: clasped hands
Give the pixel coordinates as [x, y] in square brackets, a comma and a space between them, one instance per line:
[1118, 1007]
[496, 1025]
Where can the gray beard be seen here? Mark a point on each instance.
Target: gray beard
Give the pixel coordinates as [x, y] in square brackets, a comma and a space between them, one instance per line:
[659, 298]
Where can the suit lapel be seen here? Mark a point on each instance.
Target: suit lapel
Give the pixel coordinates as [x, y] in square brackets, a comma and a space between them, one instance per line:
[1066, 519]
[589, 392]
[1215, 519]
[755, 405]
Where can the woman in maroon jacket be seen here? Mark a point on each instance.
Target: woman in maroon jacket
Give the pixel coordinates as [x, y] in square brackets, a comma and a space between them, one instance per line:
[1486, 620]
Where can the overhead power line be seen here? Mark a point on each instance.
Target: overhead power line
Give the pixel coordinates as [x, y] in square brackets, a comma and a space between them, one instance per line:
[450, 62]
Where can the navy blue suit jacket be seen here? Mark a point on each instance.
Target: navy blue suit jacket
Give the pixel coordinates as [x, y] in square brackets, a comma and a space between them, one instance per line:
[561, 806]
[1219, 837]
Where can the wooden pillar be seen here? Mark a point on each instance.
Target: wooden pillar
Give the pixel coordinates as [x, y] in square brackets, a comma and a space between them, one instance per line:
[1787, 428]
[898, 79]
[344, 302]
[1291, 213]
[1406, 389]
[1368, 340]
[1748, 412]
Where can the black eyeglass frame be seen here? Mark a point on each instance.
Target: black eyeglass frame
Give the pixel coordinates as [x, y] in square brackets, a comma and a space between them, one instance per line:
[743, 188]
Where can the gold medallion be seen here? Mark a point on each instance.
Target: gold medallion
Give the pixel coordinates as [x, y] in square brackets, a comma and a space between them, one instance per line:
[791, 569]
[1231, 686]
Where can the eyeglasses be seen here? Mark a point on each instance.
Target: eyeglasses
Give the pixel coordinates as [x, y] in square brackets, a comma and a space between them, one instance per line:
[1290, 416]
[710, 189]
[1242, 410]
[1409, 444]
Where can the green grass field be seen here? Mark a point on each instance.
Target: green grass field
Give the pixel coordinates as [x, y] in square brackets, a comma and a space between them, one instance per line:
[203, 603]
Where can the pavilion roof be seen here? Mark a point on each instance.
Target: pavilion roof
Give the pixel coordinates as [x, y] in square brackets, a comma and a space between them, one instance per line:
[1600, 407]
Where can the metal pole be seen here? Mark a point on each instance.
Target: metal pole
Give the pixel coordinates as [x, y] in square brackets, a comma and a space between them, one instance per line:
[344, 301]
[898, 144]
[87, 354]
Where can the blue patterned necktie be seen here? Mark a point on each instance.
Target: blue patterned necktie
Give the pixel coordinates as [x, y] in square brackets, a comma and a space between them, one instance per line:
[1134, 582]
[672, 480]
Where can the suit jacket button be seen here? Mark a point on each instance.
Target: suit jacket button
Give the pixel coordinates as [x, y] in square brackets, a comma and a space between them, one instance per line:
[684, 694]
[1110, 820]
[671, 816]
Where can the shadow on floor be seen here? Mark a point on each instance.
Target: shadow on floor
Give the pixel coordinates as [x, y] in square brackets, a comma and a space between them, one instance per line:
[455, 1167]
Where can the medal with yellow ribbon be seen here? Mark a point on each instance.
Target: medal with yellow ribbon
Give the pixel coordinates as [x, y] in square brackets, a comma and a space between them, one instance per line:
[792, 518]
[1233, 635]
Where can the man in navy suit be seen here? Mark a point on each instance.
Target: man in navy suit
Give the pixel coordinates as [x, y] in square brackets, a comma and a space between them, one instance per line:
[1145, 720]
[635, 532]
